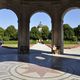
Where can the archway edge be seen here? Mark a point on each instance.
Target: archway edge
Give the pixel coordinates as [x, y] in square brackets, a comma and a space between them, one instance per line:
[67, 10]
[13, 10]
[10, 10]
[39, 9]
[36, 11]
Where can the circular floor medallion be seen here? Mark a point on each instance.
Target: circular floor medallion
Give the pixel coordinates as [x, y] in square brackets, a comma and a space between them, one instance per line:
[24, 71]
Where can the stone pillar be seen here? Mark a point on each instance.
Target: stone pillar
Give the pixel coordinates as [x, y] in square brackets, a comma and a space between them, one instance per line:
[57, 32]
[23, 34]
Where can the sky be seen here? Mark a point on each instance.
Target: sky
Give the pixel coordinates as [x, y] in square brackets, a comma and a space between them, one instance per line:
[8, 17]
[72, 18]
[42, 17]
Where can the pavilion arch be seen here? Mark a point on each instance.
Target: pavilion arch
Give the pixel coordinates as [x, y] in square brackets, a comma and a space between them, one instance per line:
[67, 10]
[46, 13]
[41, 11]
[10, 10]
[36, 11]
[56, 28]
[13, 12]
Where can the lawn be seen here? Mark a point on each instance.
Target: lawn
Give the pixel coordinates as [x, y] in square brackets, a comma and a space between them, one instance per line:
[67, 44]
[14, 44]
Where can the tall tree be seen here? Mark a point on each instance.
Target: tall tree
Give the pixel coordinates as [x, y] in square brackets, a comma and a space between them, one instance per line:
[68, 32]
[45, 32]
[77, 32]
[34, 33]
[11, 32]
[1, 33]
[50, 35]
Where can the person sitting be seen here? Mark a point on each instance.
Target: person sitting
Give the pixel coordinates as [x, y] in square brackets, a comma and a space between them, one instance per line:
[55, 49]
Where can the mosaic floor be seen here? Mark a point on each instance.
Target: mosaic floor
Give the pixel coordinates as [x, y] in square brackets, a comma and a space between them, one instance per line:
[25, 71]
[41, 65]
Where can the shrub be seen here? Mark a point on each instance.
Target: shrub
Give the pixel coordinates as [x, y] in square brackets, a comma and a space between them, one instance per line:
[6, 38]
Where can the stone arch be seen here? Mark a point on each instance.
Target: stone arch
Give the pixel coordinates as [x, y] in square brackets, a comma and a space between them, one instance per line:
[67, 10]
[13, 12]
[45, 13]
[10, 10]
[42, 11]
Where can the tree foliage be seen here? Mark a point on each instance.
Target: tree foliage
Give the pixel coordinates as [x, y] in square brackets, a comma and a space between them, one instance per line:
[11, 32]
[40, 32]
[45, 32]
[50, 35]
[1, 33]
[77, 32]
[34, 33]
[68, 32]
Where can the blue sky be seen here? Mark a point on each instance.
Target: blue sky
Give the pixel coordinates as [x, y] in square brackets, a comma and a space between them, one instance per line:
[40, 17]
[8, 17]
[72, 18]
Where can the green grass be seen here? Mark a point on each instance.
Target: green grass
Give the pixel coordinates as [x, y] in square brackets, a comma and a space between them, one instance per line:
[10, 45]
[15, 43]
[10, 42]
[33, 41]
[70, 45]
[70, 42]
[47, 41]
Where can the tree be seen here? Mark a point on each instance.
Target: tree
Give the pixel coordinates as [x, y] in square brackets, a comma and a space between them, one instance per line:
[45, 32]
[11, 32]
[50, 35]
[68, 32]
[77, 32]
[1, 33]
[34, 33]
[6, 38]
[16, 35]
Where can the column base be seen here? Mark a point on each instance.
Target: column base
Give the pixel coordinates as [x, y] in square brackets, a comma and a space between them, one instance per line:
[23, 50]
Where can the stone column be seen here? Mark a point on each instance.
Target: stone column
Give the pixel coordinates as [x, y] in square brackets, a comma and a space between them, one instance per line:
[23, 34]
[57, 31]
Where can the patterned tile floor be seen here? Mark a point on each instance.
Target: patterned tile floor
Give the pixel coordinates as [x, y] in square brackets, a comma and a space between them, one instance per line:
[40, 64]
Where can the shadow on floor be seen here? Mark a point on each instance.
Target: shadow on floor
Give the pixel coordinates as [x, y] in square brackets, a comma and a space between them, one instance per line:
[42, 58]
[46, 59]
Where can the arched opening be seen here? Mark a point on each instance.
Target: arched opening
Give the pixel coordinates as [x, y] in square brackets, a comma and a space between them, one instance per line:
[40, 28]
[71, 28]
[8, 28]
